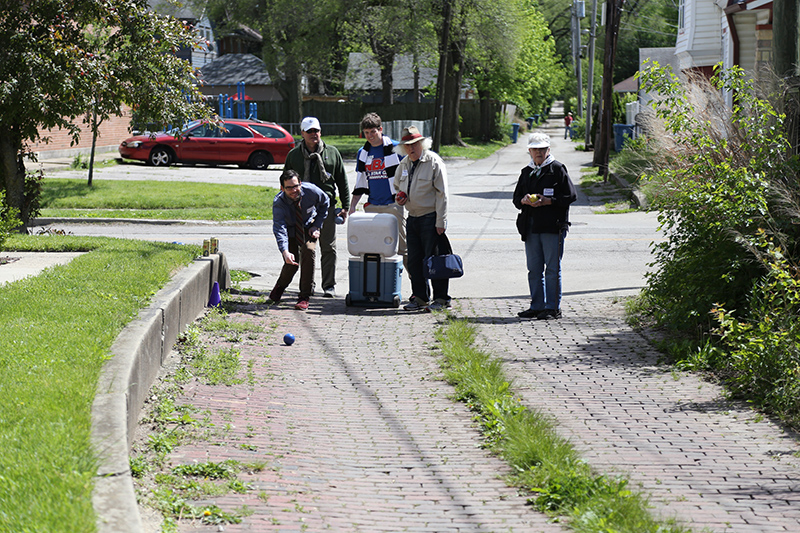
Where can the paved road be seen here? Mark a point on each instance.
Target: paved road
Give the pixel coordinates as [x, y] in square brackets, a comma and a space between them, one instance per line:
[604, 254]
[360, 434]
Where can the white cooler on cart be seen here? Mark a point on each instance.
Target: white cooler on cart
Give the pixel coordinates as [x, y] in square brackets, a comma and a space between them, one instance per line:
[375, 269]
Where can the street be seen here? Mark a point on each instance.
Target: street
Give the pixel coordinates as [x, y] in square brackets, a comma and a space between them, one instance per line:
[604, 254]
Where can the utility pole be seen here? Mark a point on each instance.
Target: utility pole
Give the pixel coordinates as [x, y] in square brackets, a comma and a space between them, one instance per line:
[601, 153]
[578, 12]
[589, 142]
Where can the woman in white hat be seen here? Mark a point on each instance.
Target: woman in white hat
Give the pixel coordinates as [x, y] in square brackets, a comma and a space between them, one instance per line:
[421, 184]
[543, 195]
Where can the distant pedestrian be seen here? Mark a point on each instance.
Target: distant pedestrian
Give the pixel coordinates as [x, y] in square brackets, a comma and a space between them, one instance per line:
[568, 120]
[298, 213]
[421, 184]
[376, 164]
[321, 164]
[543, 195]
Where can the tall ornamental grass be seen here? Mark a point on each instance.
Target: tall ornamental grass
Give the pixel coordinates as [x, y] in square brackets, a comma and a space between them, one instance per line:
[726, 188]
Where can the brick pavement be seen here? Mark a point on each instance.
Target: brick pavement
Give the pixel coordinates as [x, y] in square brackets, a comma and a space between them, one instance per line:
[361, 435]
[359, 432]
[710, 462]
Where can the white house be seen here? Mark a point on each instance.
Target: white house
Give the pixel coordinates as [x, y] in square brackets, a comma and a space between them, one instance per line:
[734, 32]
[698, 46]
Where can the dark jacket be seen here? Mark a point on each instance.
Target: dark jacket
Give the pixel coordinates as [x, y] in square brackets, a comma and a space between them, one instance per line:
[552, 182]
[314, 204]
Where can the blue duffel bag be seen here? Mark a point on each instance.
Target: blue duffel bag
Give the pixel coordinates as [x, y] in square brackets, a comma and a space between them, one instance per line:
[446, 264]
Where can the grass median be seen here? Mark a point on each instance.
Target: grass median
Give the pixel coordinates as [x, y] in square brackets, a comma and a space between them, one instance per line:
[178, 200]
[158, 200]
[58, 328]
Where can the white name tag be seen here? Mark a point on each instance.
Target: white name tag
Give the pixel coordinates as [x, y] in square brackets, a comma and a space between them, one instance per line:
[549, 192]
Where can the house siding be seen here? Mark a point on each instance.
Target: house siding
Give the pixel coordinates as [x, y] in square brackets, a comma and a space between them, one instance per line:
[700, 45]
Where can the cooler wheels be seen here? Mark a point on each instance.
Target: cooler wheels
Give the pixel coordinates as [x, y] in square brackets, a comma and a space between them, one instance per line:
[347, 300]
[396, 302]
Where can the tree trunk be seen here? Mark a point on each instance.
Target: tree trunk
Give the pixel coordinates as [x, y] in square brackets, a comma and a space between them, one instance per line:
[292, 92]
[384, 56]
[13, 176]
[441, 95]
[486, 126]
[387, 81]
[451, 104]
[785, 39]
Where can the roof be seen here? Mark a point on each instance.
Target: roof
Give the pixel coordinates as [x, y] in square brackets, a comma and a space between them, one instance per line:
[364, 74]
[230, 69]
[179, 11]
[631, 85]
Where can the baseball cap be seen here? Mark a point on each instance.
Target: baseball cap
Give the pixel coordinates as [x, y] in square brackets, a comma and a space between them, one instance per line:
[310, 123]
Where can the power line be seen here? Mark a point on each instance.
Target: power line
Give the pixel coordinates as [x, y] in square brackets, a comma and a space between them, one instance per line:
[651, 18]
[649, 30]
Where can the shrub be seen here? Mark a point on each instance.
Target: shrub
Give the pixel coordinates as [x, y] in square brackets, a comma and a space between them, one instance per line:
[9, 221]
[716, 177]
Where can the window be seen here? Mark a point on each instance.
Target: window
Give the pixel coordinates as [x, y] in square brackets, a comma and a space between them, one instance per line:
[236, 132]
[267, 131]
[681, 15]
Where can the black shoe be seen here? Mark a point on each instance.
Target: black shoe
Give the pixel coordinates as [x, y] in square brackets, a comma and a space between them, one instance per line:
[549, 314]
[529, 313]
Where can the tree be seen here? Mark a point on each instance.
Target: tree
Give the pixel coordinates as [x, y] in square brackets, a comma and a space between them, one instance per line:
[302, 39]
[517, 65]
[386, 26]
[54, 69]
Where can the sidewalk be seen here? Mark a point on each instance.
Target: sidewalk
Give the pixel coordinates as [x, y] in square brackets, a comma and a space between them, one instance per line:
[359, 432]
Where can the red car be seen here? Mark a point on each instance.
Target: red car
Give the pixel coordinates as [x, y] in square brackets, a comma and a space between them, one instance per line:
[247, 143]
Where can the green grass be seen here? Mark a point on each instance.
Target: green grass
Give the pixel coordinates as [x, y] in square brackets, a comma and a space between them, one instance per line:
[475, 150]
[545, 464]
[161, 200]
[58, 328]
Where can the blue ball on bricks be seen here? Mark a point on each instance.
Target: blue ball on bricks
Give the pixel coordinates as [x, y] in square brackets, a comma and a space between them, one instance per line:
[288, 339]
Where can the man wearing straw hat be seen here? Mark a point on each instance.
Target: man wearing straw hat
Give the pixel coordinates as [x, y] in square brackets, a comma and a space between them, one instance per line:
[421, 184]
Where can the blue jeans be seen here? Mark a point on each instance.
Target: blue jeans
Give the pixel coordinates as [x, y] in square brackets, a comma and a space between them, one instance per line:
[543, 252]
[421, 240]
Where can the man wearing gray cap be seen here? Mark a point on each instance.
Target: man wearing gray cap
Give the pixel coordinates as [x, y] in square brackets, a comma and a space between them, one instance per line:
[543, 195]
[322, 165]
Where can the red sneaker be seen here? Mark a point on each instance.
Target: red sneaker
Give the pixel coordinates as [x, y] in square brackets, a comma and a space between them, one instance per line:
[301, 305]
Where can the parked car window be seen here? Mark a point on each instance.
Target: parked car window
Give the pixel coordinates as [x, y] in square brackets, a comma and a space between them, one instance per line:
[204, 131]
[268, 131]
[236, 131]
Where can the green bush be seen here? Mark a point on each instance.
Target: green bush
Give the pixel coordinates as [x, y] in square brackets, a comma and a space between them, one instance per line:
[714, 177]
[763, 348]
[728, 271]
[8, 221]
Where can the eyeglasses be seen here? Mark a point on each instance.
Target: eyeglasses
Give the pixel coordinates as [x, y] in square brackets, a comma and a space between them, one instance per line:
[312, 131]
[291, 187]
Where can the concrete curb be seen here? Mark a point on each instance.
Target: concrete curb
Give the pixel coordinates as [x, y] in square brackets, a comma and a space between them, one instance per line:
[126, 378]
[638, 196]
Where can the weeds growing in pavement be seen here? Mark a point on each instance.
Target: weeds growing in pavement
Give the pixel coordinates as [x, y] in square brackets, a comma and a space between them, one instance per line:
[545, 464]
[176, 492]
